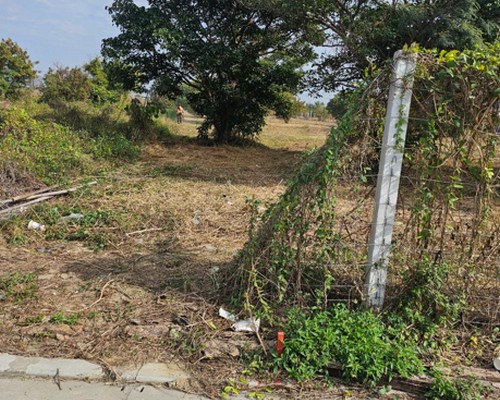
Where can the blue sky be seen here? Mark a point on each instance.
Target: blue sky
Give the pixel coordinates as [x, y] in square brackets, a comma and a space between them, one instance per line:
[62, 32]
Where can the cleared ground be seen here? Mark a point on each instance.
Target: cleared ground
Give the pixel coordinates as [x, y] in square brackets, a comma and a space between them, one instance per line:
[134, 280]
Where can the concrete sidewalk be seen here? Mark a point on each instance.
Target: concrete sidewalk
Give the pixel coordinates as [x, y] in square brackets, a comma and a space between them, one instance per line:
[37, 378]
[37, 389]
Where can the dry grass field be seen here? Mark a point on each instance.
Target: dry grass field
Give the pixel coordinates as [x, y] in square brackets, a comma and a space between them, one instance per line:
[135, 280]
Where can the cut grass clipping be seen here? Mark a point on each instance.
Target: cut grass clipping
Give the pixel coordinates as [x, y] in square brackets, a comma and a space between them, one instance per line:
[357, 343]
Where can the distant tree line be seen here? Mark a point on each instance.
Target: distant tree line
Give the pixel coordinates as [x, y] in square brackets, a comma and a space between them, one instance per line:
[235, 61]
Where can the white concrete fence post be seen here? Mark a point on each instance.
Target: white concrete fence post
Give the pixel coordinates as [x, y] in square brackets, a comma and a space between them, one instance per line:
[391, 159]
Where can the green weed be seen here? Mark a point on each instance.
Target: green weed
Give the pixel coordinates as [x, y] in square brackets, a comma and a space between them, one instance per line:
[450, 388]
[18, 287]
[356, 342]
[62, 318]
[33, 320]
[87, 228]
[17, 239]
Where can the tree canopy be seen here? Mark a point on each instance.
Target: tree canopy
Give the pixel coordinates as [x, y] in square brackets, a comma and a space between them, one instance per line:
[16, 68]
[91, 82]
[361, 33]
[239, 60]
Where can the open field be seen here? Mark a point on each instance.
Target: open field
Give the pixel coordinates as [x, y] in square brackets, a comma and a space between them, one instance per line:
[133, 280]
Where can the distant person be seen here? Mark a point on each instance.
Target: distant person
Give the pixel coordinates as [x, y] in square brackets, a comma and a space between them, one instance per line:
[180, 113]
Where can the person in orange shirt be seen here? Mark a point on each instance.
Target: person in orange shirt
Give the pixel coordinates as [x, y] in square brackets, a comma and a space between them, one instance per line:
[180, 113]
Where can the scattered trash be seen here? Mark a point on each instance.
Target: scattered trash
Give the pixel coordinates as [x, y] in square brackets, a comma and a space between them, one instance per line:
[280, 343]
[247, 325]
[196, 221]
[226, 315]
[210, 247]
[496, 363]
[35, 226]
[72, 217]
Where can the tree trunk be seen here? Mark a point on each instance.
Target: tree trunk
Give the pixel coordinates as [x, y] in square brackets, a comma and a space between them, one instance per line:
[222, 129]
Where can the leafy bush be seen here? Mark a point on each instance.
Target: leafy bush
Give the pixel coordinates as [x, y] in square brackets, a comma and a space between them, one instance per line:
[65, 84]
[358, 343]
[49, 150]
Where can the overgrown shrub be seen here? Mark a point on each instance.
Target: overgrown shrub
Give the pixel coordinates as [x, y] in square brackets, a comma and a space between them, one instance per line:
[308, 248]
[357, 343]
[49, 150]
[64, 84]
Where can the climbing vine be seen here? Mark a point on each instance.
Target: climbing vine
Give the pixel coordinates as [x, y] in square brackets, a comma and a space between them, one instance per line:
[309, 248]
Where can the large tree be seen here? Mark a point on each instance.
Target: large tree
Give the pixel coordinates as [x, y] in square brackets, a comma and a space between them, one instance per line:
[238, 60]
[16, 68]
[359, 33]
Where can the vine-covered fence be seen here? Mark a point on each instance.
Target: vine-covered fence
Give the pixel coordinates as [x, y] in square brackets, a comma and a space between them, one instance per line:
[310, 248]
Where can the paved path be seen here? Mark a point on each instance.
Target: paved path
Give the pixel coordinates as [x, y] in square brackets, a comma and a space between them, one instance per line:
[35, 389]
[37, 378]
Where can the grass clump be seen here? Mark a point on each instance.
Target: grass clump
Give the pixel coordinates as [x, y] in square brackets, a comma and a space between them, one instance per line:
[63, 318]
[358, 343]
[18, 287]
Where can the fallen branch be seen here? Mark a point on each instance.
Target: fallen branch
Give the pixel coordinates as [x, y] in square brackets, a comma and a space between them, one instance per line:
[60, 192]
[27, 195]
[144, 231]
[20, 207]
[33, 198]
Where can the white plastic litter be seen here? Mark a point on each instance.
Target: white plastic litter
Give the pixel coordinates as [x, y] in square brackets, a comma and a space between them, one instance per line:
[35, 226]
[72, 216]
[246, 325]
[496, 363]
[226, 315]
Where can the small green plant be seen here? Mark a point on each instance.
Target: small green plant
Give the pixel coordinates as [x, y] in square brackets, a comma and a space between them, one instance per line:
[18, 287]
[450, 388]
[17, 239]
[356, 342]
[36, 319]
[92, 315]
[230, 389]
[62, 318]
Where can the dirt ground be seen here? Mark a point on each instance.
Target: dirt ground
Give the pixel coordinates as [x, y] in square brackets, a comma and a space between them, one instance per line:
[140, 284]
[138, 280]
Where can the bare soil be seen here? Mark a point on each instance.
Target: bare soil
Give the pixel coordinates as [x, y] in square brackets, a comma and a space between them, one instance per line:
[143, 284]
[178, 216]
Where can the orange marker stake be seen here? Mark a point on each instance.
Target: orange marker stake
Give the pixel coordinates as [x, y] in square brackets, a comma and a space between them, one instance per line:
[280, 343]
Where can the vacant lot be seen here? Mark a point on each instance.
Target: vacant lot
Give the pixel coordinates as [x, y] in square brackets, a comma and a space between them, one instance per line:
[132, 278]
